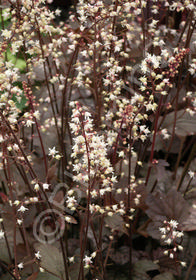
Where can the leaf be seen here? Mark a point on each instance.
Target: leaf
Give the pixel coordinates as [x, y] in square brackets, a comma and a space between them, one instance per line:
[185, 123]
[160, 169]
[51, 174]
[59, 197]
[116, 222]
[74, 271]
[22, 104]
[164, 276]
[153, 229]
[167, 206]
[124, 166]
[141, 267]
[170, 265]
[161, 207]
[4, 256]
[29, 216]
[9, 223]
[46, 275]
[18, 62]
[8, 17]
[190, 223]
[162, 144]
[51, 259]
[73, 245]
[120, 256]
[145, 265]
[6, 21]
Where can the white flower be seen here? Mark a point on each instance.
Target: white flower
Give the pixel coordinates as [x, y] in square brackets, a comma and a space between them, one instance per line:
[93, 255]
[71, 259]
[6, 33]
[67, 219]
[153, 59]
[16, 202]
[165, 133]
[173, 223]
[191, 174]
[36, 187]
[45, 186]
[162, 230]
[58, 12]
[192, 71]
[1, 234]
[36, 114]
[42, 269]
[20, 265]
[171, 256]
[58, 157]
[168, 241]
[37, 255]
[19, 222]
[183, 264]
[180, 248]
[29, 123]
[52, 152]
[22, 209]
[144, 67]
[87, 260]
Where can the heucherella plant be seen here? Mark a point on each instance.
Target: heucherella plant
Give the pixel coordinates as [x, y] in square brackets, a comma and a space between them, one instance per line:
[94, 163]
[97, 139]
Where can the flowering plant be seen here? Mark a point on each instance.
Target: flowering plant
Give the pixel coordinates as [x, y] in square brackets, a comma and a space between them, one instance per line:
[97, 140]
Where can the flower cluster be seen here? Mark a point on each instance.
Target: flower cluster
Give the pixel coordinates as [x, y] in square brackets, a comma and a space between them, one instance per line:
[94, 163]
[172, 237]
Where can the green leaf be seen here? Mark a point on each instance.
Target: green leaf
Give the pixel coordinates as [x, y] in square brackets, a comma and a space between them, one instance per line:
[18, 62]
[6, 21]
[22, 104]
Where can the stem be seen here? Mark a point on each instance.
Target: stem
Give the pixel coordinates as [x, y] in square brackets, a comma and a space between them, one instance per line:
[128, 208]
[6, 268]
[108, 251]
[15, 255]
[88, 203]
[6, 241]
[186, 167]
[190, 267]
[154, 138]
[64, 115]
[179, 157]
[33, 175]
